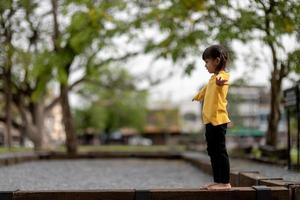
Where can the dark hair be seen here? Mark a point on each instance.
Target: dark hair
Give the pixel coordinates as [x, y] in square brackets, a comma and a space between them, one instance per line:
[216, 51]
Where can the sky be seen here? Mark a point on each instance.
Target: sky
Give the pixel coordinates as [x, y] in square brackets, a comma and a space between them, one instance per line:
[253, 62]
[181, 88]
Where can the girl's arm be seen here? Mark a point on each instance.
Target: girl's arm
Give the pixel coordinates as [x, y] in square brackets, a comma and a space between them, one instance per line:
[200, 95]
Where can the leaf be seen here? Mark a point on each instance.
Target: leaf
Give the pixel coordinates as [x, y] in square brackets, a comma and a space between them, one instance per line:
[62, 75]
[294, 60]
[195, 5]
[190, 67]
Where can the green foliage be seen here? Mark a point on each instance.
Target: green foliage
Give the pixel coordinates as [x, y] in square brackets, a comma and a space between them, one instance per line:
[83, 30]
[129, 111]
[183, 24]
[187, 25]
[190, 68]
[5, 5]
[91, 117]
[294, 60]
[28, 5]
[195, 5]
[117, 104]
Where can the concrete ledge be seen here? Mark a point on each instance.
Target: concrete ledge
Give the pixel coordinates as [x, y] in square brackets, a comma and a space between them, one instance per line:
[249, 178]
[15, 158]
[243, 193]
[295, 192]
[282, 183]
[75, 195]
[234, 178]
[242, 181]
[6, 195]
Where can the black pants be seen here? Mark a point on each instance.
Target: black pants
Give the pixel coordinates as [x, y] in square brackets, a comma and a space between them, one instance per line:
[216, 149]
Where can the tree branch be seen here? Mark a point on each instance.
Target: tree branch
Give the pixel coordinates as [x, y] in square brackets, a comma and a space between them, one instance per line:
[55, 25]
[264, 6]
[269, 35]
[85, 77]
[52, 104]
[126, 56]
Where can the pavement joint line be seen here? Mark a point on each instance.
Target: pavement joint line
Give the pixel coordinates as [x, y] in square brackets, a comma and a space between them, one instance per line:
[245, 171]
[142, 194]
[263, 192]
[258, 181]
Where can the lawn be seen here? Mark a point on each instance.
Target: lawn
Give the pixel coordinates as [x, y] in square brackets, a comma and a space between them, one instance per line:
[128, 148]
[14, 149]
[107, 148]
[294, 155]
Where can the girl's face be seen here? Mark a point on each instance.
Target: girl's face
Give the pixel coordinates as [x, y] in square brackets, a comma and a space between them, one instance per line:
[211, 64]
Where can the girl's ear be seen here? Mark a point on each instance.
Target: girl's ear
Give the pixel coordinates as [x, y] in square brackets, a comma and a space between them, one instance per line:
[217, 61]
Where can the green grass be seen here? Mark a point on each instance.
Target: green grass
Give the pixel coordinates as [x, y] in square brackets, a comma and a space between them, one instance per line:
[14, 149]
[106, 148]
[256, 152]
[294, 155]
[127, 148]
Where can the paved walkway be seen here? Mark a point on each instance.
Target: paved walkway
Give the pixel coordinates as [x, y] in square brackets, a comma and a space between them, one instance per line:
[268, 170]
[114, 173]
[121, 173]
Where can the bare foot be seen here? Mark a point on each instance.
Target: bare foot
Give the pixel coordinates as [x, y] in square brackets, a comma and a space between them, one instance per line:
[209, 185]
[220, 186]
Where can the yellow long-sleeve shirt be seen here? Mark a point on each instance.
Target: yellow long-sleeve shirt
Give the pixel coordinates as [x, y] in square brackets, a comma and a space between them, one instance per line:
[215, 102]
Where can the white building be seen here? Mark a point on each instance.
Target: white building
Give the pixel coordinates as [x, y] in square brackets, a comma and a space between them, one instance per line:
[249, 106]
[54, 128]
[190, 116]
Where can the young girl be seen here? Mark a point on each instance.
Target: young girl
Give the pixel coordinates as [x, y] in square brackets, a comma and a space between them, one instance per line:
[214, 114]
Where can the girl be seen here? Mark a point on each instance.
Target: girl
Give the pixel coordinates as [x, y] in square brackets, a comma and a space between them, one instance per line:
[214, 114]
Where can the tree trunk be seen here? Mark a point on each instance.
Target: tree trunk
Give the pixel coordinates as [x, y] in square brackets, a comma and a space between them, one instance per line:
[38, 117]
[275, 113]
[8, 101]
[71, 140]
[33, 123]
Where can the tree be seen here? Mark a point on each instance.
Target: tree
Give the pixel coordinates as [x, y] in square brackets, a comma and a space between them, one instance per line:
[186, 25]
[180, 27]
[116, 104]
[6, 65]
[37, 63]
[18, 85]
[268, 22]
[91, 29]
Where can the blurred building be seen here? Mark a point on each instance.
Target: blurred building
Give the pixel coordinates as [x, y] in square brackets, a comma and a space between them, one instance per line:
[190, 117]
[54, 128]
[162, 122]
[249, 108]
[15, 135]
[167, 122]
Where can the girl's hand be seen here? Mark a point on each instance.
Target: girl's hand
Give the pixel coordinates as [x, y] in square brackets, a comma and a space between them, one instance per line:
[220, 82]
